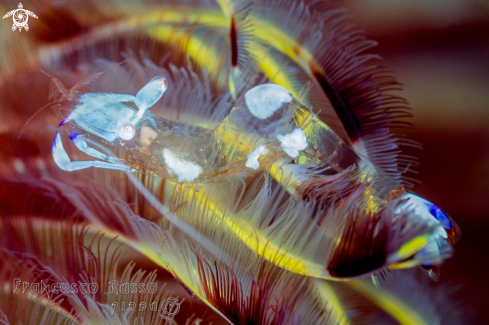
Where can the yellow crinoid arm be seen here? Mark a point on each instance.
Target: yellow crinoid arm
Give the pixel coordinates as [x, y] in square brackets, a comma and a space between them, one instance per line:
[248, 233]
[208, 54]
[391, 304]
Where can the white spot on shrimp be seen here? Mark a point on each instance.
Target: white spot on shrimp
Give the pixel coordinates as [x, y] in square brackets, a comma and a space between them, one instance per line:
[186, 171]
[293, 142]
[252, 161]
[264, 100]
[147, 135]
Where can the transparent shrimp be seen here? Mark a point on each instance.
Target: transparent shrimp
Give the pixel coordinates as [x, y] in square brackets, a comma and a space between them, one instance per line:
[268, 130]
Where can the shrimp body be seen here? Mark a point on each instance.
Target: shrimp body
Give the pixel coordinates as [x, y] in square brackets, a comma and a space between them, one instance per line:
[270, 131]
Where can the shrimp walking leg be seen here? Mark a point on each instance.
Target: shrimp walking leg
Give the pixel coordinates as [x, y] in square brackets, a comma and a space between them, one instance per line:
[79, 141]
[63, 160]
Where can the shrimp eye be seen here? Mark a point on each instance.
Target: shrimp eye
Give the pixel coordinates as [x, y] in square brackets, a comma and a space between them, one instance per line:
[160, 82]
[126, 131]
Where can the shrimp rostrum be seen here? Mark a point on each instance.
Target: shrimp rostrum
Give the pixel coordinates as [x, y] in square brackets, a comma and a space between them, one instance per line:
[268, 131]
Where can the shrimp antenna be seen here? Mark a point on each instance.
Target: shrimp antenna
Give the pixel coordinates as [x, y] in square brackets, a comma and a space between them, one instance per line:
[58, 87]
[55, 83]
[30, 118]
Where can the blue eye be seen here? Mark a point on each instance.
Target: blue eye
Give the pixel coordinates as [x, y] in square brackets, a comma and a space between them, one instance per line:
[440, 216]
[435, 211]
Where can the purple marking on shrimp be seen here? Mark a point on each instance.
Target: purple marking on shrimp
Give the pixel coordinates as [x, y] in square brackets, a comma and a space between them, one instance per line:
[54, 140]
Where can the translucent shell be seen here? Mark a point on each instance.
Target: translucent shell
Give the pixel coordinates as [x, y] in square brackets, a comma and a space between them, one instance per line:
[343, 200]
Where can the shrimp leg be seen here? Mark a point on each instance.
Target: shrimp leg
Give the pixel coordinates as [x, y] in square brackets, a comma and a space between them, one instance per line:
[79, 141]
[63, 161]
